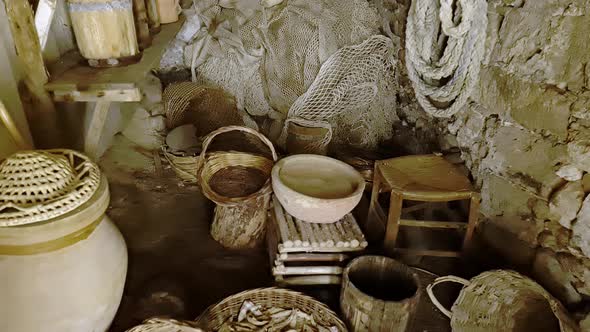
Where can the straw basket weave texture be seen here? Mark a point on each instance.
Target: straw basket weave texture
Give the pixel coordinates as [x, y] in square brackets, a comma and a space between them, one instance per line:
[207, 108]
[214, 317]
[503, 300]
[213, 162]
[239, 221]
[40, 185]
[184, 166]
[165, 325]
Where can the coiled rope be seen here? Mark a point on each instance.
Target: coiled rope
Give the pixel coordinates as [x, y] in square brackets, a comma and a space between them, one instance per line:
[444, 65]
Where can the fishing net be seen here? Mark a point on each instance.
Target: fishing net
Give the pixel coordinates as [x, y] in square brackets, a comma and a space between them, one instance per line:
[268, 57]
[354, 92]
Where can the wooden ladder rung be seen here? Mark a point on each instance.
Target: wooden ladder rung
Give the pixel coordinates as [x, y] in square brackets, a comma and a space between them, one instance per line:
[424, 252]
[433, 224]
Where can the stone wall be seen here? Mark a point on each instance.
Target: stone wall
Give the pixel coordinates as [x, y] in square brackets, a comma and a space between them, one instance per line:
[525, 136]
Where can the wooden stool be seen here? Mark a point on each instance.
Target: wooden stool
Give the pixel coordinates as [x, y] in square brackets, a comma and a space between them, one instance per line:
[425, 178]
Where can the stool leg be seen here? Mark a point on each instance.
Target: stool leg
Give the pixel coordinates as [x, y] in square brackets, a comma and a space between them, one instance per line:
[395, 212]
[472, 222]
[374, 196]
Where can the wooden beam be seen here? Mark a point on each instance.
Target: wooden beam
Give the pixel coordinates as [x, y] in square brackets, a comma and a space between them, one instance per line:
[26, 40]
[43, 19]
[433, 253]
[28, 50]
[17, 136]
[433, 224]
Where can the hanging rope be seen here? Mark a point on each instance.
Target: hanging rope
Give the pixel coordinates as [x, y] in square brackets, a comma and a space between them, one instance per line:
[444, 65]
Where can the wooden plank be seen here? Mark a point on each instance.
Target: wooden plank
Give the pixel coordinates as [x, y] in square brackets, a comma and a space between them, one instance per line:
[424, 252]
[432, 224]
[114, 95]
[99, 117]
[313, 257]
[308, 280]
[70, 74]
[306, 270]
[43, 19]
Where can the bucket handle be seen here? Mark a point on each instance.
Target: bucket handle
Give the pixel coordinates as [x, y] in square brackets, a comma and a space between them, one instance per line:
[226, 129]
[441, 280]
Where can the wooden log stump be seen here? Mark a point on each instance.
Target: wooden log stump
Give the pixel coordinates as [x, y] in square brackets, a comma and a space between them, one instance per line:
[379, 294]
[243, 225]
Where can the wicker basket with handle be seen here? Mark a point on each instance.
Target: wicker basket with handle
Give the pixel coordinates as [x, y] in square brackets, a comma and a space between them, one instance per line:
[503, 300]
[214, 317]
[240, 219]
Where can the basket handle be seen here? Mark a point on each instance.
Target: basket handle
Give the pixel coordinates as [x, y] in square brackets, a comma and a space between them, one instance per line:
[226, 129]
[441, 280]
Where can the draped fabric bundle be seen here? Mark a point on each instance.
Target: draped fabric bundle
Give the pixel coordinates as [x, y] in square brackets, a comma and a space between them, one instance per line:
[445, 44]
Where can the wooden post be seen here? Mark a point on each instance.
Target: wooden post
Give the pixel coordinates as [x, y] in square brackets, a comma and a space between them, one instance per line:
[391, 232]
[42, 118]
[472, 221]
[99, 118]
[17, 136]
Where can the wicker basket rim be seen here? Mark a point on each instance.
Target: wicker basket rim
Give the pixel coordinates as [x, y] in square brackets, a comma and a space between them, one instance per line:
[206, 157]
[203, 320]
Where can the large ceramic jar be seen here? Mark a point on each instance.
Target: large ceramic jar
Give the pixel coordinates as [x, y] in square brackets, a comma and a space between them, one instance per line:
[62, 261]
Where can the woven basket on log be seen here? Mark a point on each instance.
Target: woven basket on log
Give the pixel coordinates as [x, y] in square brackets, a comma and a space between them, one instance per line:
[239, 183]
[503, 300]
[214, 317]
[379, 294]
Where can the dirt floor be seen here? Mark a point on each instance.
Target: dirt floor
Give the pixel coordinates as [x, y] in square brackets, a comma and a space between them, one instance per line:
[175, 268]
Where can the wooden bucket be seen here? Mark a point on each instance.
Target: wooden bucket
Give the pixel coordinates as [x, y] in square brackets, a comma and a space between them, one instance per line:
[105, 31]
[169, 10]
[240, 220]
[379, 294]
[312, 140]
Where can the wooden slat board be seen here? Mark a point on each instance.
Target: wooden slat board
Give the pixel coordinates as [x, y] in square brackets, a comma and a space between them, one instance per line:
[299, 236]
[71, 73]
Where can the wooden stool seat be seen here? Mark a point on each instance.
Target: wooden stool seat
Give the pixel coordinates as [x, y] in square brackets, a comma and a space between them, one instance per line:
[425, 178]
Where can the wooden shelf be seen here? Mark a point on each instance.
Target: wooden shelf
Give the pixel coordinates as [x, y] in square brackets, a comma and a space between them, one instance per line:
[73, 80]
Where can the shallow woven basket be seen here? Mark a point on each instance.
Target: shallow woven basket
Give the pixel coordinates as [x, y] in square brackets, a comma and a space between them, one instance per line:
[184, 166]
[165, 325]
[210, 163]
[496, 300]
[214, 317]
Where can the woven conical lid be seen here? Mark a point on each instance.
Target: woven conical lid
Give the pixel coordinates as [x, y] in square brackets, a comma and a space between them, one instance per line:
[39, 185]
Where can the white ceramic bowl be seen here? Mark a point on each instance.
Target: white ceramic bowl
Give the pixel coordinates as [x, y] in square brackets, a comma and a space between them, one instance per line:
[316, 188]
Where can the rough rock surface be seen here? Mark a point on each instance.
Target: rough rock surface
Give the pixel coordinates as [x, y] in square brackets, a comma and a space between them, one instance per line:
[526, 131]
